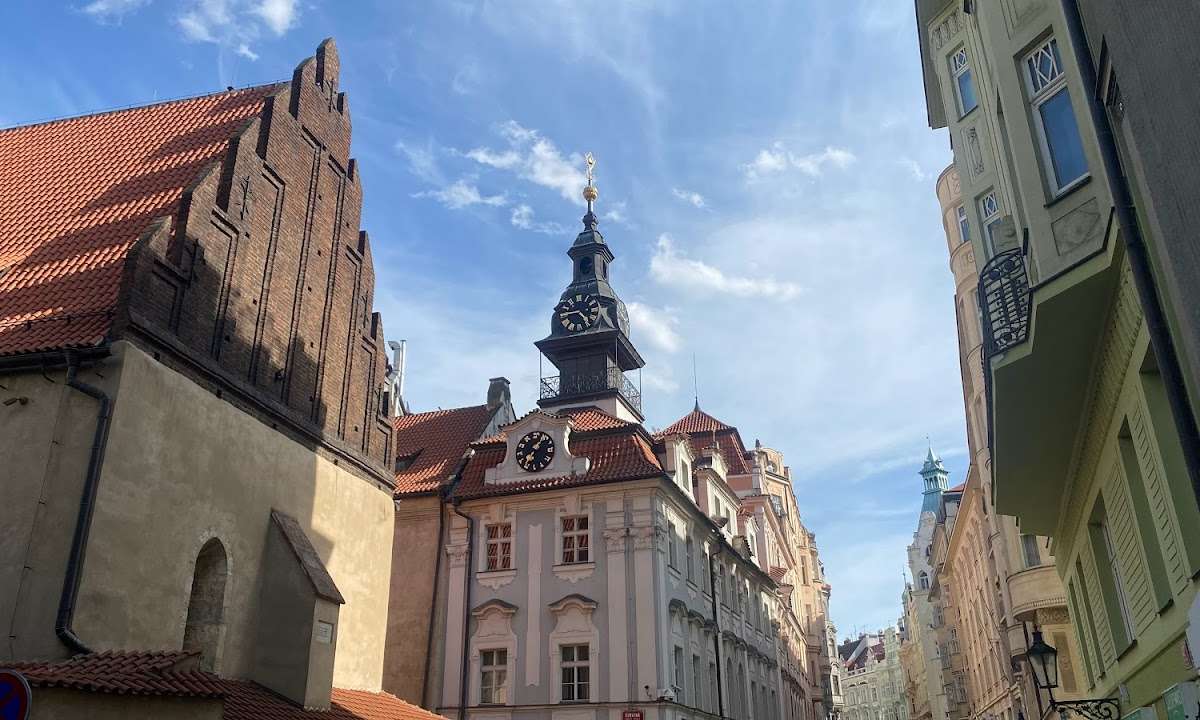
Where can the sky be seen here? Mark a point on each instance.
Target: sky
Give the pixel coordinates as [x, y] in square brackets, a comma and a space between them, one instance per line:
[766, 179]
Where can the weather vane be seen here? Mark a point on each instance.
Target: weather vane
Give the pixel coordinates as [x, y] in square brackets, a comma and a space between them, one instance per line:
[590, 193]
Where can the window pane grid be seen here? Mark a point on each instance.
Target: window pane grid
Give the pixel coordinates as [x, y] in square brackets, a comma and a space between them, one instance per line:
[493, 677]
[499, 546]
[576, 673]
[576, 545]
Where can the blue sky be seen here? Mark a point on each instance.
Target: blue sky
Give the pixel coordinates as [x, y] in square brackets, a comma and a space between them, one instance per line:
[766, 182]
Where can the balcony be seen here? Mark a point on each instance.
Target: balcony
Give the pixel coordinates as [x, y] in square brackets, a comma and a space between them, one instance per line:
[1004, 301]
[1035, 588]
[556, 388]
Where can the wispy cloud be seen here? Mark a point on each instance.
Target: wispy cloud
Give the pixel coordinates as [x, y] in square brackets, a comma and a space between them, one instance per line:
[669, 267]
[536, 159]
[913, 167]
[657, 325]
[523, 217]
[461, 194]
[689, 196]
[236, 24]
[778, 158]
[279, 15]
[111, 11]
[422, 161]
[245, 51]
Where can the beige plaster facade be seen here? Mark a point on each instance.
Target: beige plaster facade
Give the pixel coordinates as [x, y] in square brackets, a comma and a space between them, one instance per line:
[63, 704]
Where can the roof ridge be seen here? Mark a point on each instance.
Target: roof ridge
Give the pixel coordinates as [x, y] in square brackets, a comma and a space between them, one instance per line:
[138, 106]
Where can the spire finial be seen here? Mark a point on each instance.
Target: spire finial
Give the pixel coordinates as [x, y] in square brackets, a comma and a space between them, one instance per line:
[695, 383]
[590, 193]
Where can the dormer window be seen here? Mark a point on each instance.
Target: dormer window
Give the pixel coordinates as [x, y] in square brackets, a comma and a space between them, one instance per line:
[404, 462]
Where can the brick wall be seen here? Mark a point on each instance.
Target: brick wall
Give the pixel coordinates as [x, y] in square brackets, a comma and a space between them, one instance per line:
[263, 284]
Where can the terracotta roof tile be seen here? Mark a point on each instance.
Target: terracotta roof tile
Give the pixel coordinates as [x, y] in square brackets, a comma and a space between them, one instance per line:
[584, 419]
[697, 421]
[777, 573]
[704, 429]
[247, 701]
[126, 673]
[614, 457]
[76, 194]
[962, 486]
[438, 440]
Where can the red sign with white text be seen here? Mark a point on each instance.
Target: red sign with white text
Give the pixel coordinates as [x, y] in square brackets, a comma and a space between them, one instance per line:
[632, 715]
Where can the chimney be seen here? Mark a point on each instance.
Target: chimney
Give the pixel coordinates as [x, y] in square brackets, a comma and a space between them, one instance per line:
[498, 392]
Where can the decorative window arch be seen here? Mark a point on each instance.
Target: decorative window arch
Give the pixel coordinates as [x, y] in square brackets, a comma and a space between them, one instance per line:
[573, 630]
[204, 631]
[923, 580]
[493, 635]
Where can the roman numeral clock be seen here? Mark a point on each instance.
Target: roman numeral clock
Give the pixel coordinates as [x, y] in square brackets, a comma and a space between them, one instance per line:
[578, 312]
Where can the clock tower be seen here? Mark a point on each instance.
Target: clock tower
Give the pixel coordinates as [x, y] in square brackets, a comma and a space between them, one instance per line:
[589, 331]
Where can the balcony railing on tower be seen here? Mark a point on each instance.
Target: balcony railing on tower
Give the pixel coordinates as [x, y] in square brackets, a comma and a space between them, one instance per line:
[555, 387]
[1004, 302]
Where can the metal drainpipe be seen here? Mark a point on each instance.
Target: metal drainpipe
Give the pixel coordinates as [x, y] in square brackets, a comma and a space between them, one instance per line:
[87, 506]
[463, 683]
[1139, 261]
[443, 493]
[712, 588]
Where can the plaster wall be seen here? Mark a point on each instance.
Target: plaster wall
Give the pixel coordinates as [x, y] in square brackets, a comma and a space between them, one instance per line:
[62, 704]
[415, 554]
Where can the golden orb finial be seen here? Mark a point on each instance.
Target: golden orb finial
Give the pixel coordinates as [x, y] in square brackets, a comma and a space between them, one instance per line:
[590, 193]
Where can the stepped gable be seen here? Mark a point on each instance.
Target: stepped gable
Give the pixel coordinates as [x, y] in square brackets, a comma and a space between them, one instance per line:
[222, 233]
[619, 450]
[432, 444]
[704, 430]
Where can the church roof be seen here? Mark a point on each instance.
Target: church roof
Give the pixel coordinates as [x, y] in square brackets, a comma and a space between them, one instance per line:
[704, 430]
[77, 195]
[933, 463]
[434, 442]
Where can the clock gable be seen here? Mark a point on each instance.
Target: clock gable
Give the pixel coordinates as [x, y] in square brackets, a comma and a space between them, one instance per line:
[523, 462]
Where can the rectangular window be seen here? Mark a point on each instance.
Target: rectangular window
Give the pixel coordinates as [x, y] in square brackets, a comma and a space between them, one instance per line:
[493, 677]
[575, 544]
[1054, 116]
[712, 679]
[1029, 548]
[697, 687]
[576, 673]
[989, 210]
[1114, 564]
[690, 545]
[964, 228]
[964, 81]
[672, 558]
[499, 546]
[679, 689]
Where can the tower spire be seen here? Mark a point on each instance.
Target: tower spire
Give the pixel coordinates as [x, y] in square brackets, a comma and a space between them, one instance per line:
[590, 193]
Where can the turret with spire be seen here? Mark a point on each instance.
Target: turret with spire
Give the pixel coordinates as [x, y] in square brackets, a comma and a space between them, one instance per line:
[935, 476]
[589, 330]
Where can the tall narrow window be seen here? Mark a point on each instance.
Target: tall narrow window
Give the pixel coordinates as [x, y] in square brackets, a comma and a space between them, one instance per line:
[690, 545]
[575, 541]
[672, 558]
[989, 209]
[964, 228]
[679, 687]
[964, 81]
[697, 686]
[1054, 116]
[1111, 576]
[206, 606]
[1029, 548]
[493, 677]
[923, 580]
[499, 546]
[576, 673]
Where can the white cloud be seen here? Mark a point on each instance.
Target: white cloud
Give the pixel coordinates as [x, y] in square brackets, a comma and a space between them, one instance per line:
[461, 194]
[467, 79]
[112, 10]
[778, 158]
[523, 217]
[913, 167]
[616, 214]
[669, 267]
[656, 325]
[279, 15]
[536, 159]
[689, 196]
[422, 161]
[245, 51]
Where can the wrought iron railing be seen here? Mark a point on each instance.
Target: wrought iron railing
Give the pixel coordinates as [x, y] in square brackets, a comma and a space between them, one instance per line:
[1004, 302]
[555, 387]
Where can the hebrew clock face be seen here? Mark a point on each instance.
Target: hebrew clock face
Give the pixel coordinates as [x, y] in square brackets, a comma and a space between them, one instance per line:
[535, 451]
[578, 312]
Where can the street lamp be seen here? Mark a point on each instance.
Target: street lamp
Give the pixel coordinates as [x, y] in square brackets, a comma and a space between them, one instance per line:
[1043, 661]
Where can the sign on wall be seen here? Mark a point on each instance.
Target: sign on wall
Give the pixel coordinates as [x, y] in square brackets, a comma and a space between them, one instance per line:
[14, 696]
[632, 715]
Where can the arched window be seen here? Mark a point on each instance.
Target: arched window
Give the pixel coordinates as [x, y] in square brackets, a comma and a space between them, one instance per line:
[205, 627]
[923, 580]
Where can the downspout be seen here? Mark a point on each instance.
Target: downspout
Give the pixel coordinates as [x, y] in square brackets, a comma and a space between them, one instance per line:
[443, 493]
[462, 690]
[87, 506]
[1139, 262]
[712, 589]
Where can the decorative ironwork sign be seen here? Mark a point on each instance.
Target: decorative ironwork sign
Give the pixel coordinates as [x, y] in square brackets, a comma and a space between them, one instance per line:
[1004, 301]
[1100, 709]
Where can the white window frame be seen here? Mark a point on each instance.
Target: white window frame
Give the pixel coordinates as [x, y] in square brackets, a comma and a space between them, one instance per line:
[574, 665]
[690, 552]
[964, 227]
[490, 670]
[1042, 89]
[1114, 561]
[1029, 543]
[991, 212]
[580, 552]
[680, 679]
[672, 551]
[960, 64]
[499, 541]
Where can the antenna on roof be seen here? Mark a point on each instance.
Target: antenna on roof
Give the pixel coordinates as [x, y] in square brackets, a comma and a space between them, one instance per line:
[695, 381]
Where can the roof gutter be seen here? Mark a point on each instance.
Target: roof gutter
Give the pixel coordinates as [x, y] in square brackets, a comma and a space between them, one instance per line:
[1139, 260]
[87, 505]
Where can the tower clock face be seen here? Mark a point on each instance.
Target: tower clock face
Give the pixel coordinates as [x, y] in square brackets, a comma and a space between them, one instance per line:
[578, 312]
[535, 451]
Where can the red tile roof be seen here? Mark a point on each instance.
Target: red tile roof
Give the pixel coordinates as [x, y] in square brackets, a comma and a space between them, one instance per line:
[126, 673]
[615, 457]
[697, 421]
[777, 573]
[438, 439]
[704, 429]
[76, 194]
[248, 701]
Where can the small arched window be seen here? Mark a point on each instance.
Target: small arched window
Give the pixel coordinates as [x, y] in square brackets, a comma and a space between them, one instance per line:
[923, 580]
[205, 627]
